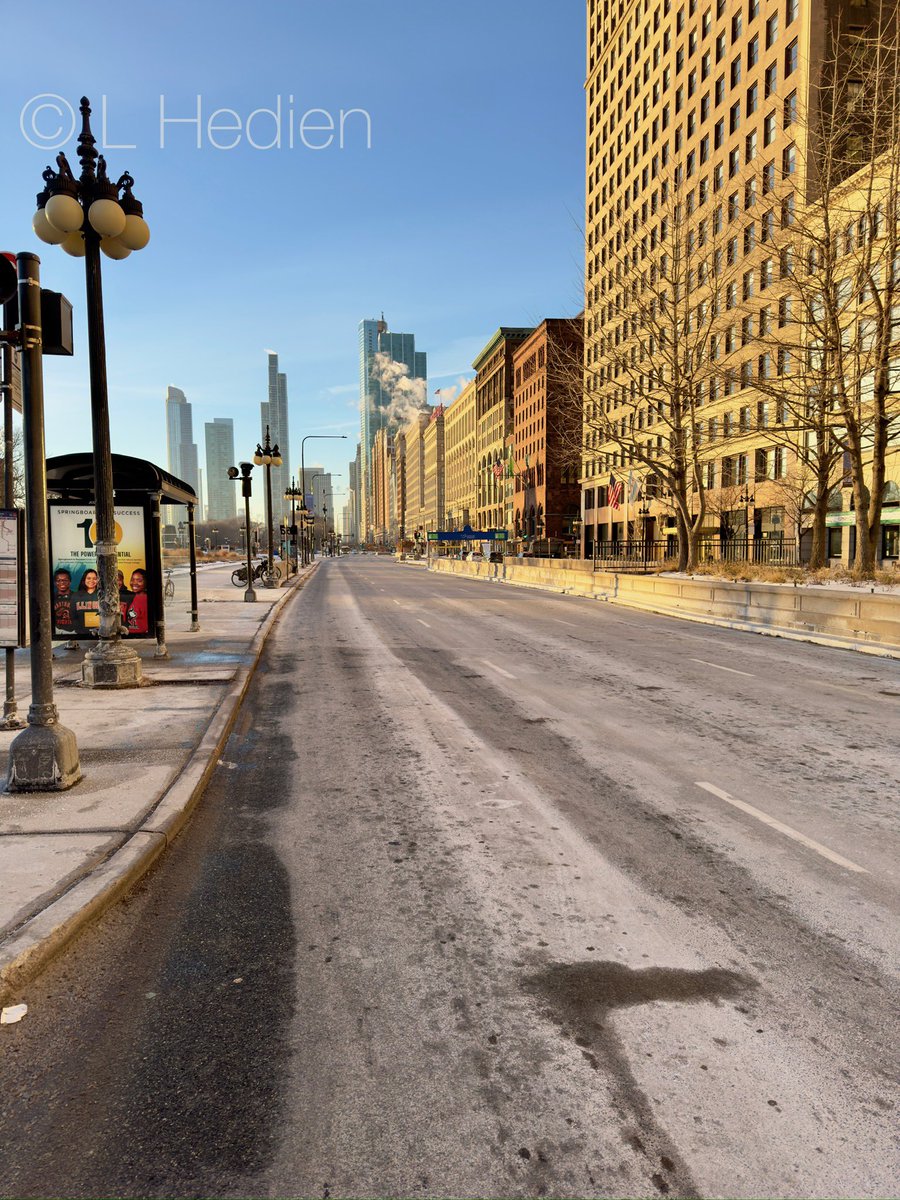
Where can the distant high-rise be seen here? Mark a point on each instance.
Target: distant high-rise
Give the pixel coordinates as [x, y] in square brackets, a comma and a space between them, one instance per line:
[274, 413]
[182, 451]
[374, 401]
[222, 493]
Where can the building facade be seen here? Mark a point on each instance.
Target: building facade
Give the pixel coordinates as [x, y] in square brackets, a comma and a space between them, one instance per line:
[493, 427]
[433, 465]
[221, 491]
[547, 403]
[180, 445]
[700, 171]
[459, 459]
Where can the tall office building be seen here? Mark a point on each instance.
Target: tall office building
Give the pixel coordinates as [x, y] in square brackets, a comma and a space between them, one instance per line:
[222, 492]
[274, 414]
[180, 446]
[375, 401]
[699, 165]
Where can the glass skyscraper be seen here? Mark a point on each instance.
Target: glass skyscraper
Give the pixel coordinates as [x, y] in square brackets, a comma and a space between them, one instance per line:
[374, 338]
[221, 491]
[274, 413]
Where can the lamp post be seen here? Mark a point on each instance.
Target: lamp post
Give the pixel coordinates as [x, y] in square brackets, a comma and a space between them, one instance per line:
[293, 493]
[84, 216]
[303, 441]
[268, 456]
[215, 539]
[246, 469]
[321, 475]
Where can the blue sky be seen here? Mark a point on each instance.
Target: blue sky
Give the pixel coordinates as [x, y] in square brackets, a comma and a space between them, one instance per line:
[464, 214]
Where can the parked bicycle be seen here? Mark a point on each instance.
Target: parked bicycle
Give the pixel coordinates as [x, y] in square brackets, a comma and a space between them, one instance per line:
[169, 589]
[261, 574]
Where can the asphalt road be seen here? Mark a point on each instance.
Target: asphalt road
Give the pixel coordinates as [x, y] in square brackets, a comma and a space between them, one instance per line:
[496, 893]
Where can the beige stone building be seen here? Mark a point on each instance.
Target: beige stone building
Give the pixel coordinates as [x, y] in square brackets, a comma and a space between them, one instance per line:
[414, 513]
[697, 169]
[459, 459]
[433, 464]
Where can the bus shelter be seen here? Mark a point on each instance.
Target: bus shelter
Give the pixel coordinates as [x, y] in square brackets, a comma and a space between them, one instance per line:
[140, 489]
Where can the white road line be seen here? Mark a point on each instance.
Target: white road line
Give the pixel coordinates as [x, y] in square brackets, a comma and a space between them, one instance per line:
[397, 602]
[718, 667]
[785, 829]
[499, 670]
[421, 622]
[560, 621]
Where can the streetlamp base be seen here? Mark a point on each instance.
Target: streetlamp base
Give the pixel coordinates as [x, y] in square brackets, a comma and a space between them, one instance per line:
[43, 758]
[250, 596]
[111, 665]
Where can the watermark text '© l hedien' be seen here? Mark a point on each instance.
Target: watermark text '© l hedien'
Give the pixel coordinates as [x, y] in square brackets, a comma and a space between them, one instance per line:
[49, 121]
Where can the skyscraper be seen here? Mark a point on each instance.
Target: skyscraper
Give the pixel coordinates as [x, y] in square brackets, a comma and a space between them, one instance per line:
[274, 413]
[222, 501]
[375, 400]
[181, 449]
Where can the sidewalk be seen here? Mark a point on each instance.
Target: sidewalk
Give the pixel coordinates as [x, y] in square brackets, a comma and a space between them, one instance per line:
[146, 755]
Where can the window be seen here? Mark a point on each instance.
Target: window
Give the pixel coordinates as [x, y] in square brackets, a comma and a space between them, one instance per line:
[770, 129]
[736, 26]
[790, 110]
[749, 237]
[748, 285]
[749, 193]
[787, 212]
[784, 311]
[768, 178]
[720, 47]
[791, 9]
[750, 147]
[765, 273]
[791, 56]
[789, 160]
[771, 80]
[734, 163]
[767, 226]
[765, 321]
[736, 72]
[734, 117]
[771, 31]
[752, 99]
[753, 51]
[719, 133]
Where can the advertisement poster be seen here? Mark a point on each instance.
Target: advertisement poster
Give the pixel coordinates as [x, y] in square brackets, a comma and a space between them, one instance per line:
[11, 568]
[75, 582]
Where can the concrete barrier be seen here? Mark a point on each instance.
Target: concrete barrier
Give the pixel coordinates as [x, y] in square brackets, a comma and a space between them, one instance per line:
[842, 615]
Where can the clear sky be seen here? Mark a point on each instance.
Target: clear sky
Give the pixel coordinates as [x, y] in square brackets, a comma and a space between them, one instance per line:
[465, 213]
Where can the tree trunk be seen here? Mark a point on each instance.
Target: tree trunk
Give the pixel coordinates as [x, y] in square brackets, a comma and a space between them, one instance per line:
[864, 559]
[817, 555]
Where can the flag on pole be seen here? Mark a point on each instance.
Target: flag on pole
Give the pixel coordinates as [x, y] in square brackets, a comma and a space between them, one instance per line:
[635, 483]
[498, 469]
[614, 493]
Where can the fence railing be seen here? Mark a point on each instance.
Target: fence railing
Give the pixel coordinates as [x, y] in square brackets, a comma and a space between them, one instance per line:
[644, 556]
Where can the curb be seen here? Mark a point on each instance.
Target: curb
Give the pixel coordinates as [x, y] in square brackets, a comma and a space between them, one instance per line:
[877, 649]
[44, 936]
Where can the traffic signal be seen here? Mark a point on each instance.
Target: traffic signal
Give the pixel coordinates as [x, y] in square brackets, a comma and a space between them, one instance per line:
[8, 281]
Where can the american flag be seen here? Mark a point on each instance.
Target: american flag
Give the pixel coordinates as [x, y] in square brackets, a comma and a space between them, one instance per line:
[614, 492]
[498, 468]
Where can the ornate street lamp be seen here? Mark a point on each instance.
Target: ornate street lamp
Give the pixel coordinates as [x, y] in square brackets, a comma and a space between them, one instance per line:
[84, 216]
[268, 456]
[244, 474]
[294, 493]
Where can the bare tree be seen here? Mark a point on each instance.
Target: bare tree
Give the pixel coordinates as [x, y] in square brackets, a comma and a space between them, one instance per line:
[839, 267]
[650, 366]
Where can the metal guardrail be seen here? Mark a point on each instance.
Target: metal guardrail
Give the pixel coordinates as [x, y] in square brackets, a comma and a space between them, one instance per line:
[645, 556]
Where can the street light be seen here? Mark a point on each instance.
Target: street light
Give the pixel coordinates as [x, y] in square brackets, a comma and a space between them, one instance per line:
[268, 456]
[303, 441]
[85, 216]
[246, 469]
[292, 493]
[321, 475]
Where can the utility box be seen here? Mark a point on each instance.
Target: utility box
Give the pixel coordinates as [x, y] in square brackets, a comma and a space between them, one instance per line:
[56, 319]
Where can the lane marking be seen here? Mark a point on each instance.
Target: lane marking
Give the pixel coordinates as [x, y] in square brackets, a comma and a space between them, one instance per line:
[560, 621]
[785, 829]
[499, 670]
[421, 622]
[397, 602]
[719, 667]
